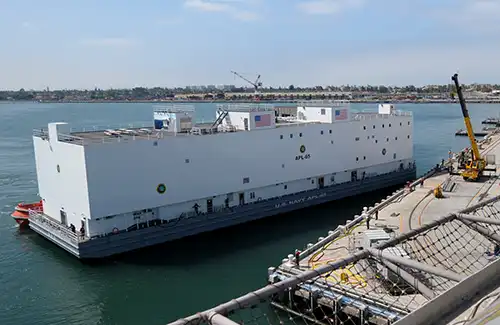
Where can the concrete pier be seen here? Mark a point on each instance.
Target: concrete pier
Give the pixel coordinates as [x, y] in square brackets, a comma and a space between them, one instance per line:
[427, 254]
[449, 251]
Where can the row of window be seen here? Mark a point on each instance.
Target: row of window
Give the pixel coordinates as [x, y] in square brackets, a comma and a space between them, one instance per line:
[383, 152]
[376, 141]
[383, 125]
[330, 131]
[300, 134]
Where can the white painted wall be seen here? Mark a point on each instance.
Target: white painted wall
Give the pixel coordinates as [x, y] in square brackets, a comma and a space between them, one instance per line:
[64, 190]
[99, 226]
[108, 181]
[320, 114]
[123, 176]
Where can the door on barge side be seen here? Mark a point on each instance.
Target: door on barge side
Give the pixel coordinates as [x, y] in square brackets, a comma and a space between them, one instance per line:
[210, 206]
[242, 198]
[321, 182]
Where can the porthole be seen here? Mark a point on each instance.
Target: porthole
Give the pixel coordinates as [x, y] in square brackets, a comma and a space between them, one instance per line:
[384, 151]
[58, 169]
[161, 188]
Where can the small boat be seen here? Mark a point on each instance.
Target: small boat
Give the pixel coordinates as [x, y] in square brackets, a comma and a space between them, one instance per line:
[22, 210]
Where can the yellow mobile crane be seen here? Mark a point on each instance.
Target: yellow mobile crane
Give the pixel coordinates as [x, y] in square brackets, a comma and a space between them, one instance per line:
[475, 166]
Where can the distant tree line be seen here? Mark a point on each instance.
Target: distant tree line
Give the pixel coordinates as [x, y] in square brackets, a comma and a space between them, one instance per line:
[160, 93]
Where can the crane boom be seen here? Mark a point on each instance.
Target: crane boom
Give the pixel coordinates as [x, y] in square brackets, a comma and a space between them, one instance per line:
[255, 84]
[468, 124]
[474, 167]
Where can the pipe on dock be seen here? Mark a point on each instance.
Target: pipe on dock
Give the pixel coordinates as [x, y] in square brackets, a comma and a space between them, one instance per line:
[263, 293]
[416, 265]
[473, 218]
[358, 219]
[413, 232]
[417, 284]
[217, 319]
[491, 235]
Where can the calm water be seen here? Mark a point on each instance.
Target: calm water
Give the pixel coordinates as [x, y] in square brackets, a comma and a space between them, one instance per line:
[40, 284]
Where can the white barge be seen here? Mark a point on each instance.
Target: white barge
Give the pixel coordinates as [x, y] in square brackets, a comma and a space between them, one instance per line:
[111, 191]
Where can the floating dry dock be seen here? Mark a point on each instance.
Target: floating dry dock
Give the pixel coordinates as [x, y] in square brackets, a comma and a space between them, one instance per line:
[420, 256]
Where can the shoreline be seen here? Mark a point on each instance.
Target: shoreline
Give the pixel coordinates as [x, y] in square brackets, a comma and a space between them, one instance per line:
[277, 101]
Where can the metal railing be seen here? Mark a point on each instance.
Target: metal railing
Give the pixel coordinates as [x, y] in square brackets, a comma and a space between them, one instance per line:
[372, 116]
[367, 212]
[173, 108]
[246, 107]
[55, 227]
[324, 102]
[455, 275]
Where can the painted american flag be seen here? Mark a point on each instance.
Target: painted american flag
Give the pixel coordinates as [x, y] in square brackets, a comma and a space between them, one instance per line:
[262, 120]
[340, 114]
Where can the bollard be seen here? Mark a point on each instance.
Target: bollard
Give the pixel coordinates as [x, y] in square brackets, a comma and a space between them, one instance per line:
[284, 261]
[330, 233]
[271, 270]
[309, 245]
[291, 259]
[321, 238]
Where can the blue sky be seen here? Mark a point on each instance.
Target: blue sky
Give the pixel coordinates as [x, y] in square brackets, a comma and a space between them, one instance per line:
[90, 43]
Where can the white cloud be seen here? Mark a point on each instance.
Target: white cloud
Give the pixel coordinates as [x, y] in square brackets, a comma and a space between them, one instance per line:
[108, 42]
[238, 9]
[325, 7]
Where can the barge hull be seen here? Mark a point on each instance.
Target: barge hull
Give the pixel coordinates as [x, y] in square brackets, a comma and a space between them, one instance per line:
[102, 247]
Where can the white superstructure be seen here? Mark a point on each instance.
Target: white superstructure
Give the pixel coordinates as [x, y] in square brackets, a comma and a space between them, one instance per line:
[109, 181]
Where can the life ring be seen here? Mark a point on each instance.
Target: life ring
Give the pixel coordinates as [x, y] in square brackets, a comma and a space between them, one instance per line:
[115, 230]
[302, 148]
[161, 188]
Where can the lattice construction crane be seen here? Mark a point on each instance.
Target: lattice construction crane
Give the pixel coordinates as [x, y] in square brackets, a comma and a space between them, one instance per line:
[257, 84]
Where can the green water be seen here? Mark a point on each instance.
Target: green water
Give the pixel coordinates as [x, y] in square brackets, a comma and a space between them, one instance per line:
[41, 284]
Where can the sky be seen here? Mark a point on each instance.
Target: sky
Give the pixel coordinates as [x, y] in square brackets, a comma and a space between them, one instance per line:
[84, 44]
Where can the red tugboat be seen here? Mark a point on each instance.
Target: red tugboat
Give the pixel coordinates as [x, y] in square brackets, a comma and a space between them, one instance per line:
[21, 213]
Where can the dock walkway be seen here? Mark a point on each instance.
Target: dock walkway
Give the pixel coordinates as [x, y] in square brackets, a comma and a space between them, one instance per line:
[412, 259]
[403, 212]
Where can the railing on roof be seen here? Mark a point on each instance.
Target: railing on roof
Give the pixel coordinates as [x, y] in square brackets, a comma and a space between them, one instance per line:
[41, 133]
[375, 115]
[246, 107]
[173, 108]
[324, 102]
